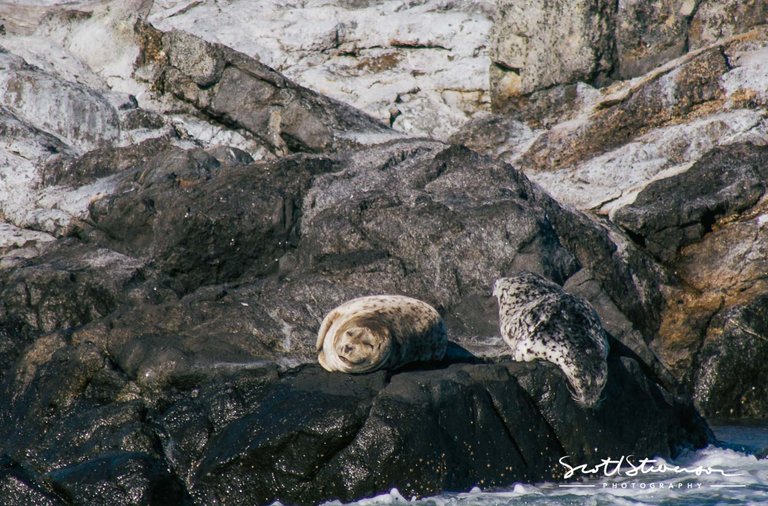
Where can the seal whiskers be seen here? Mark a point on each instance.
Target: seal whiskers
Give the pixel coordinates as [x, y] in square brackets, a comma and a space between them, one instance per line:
[380, 332]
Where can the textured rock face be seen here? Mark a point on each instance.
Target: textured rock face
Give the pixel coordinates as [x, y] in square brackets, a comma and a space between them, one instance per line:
[244, 94]
[650, 33]
[715, 19]
[416, 422]
[420, 66]
[174, 233]
[166, 322]
[539, 44]
[676, 159]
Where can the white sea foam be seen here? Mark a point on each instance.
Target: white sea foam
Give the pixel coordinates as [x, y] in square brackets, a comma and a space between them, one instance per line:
[746, 483]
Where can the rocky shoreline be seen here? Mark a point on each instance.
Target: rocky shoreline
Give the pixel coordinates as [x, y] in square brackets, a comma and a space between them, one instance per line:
[178, 217]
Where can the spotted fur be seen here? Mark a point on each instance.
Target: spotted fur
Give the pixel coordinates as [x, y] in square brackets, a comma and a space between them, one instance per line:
[380, 332]
[539, 320]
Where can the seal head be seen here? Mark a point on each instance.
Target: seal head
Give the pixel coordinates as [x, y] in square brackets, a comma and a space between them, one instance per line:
[541, 321]
[380, 332]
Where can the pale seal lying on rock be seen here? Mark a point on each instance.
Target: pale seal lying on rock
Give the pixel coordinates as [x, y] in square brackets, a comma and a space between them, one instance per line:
[380, 332]
[540, 320]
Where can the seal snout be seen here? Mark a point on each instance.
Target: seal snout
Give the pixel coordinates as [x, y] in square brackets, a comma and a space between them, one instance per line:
[380, 331]
[349, 353]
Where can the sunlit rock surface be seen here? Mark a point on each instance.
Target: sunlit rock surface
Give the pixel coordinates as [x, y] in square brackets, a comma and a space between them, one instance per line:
[185, 192]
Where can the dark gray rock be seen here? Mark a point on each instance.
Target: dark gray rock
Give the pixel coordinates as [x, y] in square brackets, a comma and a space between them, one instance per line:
[150, 345]
[71, 286]
[238, 91]
[729, 381]
[202, 222]
[315, 436]
[22, 485]
[121, 479]
[100, 162]
[679, 210]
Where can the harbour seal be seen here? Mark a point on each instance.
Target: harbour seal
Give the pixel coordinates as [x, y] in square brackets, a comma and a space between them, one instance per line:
[380, 332]
[540, 320]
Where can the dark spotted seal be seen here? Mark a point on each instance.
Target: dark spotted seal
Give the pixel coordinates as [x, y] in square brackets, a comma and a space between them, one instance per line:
[540, 320]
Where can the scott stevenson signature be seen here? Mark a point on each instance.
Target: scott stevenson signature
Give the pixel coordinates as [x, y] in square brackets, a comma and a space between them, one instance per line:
[626, 466]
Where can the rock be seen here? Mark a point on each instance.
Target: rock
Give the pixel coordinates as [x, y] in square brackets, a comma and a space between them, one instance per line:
[446, 429]
[166, 263]
[587, 151]
[733, 358]
[21, 485]
[676, 211]
[69, 288]
[427, 60]
[527, 52]
[124, 479]
[198, 219]
[135, 314]
[80, 116]
[650, 34]
[715, 20]
[244, 94]
[712, 240]
[620, 117]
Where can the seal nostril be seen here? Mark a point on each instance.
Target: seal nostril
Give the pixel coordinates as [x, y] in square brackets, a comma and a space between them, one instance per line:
[348, 348]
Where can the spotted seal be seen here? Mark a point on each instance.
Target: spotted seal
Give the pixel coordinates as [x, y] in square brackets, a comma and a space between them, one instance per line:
[540, 320]
[380, 332]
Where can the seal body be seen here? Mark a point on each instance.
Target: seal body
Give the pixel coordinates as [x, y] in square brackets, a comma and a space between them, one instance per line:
[380, 332]
[539, 320]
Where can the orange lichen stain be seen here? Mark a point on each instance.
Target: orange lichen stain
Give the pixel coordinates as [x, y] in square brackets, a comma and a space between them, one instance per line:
[686, 314]
[151, 45]
[187, 183]
[746, 98]
[379, 63]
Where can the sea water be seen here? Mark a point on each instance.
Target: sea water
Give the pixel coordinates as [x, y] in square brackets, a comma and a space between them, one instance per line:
[733, 472]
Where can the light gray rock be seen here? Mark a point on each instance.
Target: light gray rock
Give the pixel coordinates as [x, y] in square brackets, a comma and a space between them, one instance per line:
[717, 19]
[76, 114]
[539, 44]
[423, 66]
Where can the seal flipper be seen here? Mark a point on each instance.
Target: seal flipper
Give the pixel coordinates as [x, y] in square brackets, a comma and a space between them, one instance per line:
[327, 322]
[323, 363]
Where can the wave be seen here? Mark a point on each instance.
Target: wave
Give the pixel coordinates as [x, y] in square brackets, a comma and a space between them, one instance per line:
[727, 474]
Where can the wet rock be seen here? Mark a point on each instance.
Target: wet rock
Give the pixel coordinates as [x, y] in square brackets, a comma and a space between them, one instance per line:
[446, 429]
[128, 478]
[733, 356]
[72, 287]
[166, 272]
[21, 485]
